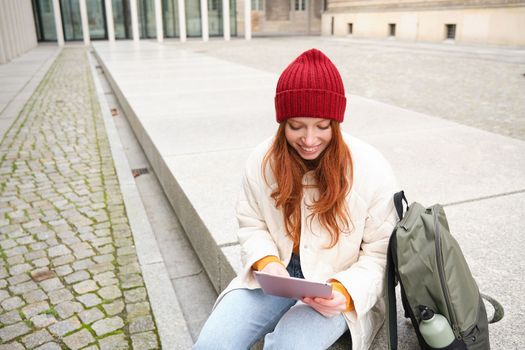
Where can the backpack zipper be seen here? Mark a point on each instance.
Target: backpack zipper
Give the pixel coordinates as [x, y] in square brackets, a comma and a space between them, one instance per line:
[441, 272]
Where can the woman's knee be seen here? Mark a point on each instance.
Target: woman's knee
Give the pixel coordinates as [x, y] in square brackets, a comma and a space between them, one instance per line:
[240, 318]
[304, 328]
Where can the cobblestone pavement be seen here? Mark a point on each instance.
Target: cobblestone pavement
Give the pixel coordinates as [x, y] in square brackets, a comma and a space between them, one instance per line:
[478, 86]
[69, 275]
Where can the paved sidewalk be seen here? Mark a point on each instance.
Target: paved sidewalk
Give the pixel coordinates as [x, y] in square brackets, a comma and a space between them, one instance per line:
[69, 275]
[20, 78]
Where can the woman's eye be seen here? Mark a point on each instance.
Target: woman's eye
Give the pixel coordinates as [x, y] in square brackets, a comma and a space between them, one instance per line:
[294, 127]
[324, 127]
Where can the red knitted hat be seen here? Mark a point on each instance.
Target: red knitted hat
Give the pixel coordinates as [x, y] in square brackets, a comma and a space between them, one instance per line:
[310, 86]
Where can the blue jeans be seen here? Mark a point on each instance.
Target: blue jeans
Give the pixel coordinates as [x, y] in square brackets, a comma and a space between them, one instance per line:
[244, 316]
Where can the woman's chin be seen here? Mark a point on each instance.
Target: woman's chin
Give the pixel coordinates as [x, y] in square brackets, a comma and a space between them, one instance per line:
[309, 156]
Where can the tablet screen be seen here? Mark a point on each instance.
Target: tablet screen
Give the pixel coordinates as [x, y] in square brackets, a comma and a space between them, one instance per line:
[292, 287]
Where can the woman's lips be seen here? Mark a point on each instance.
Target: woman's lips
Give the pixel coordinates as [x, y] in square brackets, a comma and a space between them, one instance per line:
[309, 149]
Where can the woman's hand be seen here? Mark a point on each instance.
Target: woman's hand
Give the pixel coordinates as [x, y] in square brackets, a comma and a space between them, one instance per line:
[328, 307]
[275, 268]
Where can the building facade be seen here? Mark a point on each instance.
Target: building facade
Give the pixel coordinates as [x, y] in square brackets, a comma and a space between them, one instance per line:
[493, 22]
[153, 18]
[270, 17]
[23, 23]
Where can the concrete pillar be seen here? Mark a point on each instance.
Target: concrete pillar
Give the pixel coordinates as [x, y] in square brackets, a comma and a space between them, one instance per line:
[24, 45]
[11, 49]
[58, 22]
[109, 20]
[3, 59]
[204, 20]
[226, 19]
[309, 8]
[16, 30]
[21, 26]
[158, 21]
[12, 28]
[27, 15]
[134, 19]
[31, 24]
[182, 21]
[85, 23]
[3, 34]
[4, 27]
[247, 19]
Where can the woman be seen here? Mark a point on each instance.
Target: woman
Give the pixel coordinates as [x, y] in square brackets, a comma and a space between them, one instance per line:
[315, 204]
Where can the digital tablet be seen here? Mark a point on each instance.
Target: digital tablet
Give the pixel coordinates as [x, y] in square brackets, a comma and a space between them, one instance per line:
[292, 287]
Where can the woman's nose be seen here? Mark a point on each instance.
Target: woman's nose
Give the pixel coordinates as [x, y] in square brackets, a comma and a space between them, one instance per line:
[309, 138]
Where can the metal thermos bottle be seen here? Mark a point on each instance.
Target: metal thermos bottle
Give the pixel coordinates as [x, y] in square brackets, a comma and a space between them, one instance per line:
[435, 329]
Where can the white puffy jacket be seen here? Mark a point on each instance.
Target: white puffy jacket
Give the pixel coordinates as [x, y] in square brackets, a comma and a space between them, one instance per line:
[359, 257]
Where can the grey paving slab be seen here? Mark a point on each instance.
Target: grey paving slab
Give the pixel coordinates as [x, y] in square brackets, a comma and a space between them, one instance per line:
[236, 101]
[197, 142]
[438, 160]
[215, 133]
[489, 232]
[470, 84]
[193, 171]
[190, 82]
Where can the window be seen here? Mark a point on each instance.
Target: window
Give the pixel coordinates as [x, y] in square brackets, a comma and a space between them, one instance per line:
[392, 29]
[257, 5]
[350, 28]
[46, 6]
[213, 5]
[450, 31]
[300, 5]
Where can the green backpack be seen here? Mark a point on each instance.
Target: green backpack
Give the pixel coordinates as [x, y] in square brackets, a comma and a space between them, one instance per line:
[428, 264]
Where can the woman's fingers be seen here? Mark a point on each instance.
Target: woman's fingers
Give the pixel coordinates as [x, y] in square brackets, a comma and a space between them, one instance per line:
[324, 310]
[275, 268]
[328, 307]
[337, 299]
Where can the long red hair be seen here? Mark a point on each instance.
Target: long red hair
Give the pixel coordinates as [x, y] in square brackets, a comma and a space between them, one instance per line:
[333, 173]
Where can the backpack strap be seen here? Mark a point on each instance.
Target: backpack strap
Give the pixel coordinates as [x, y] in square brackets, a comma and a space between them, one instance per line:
[498, 309]
[391, 294]
[399, 197]
[391, 261]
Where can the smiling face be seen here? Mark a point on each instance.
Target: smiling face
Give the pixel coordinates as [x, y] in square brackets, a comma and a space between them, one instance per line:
[308, 136]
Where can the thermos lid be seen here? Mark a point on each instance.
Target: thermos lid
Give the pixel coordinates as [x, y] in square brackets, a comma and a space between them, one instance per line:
[426, 313]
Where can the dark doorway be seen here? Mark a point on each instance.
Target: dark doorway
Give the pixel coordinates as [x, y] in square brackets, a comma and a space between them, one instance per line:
[44, 20]
[122, 19]
[96, 12]
[170, 18]
[71, 22]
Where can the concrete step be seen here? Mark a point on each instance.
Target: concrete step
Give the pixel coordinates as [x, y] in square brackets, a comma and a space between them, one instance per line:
[197, 119]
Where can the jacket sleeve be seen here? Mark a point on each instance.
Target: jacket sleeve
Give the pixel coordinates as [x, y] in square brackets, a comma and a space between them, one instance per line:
[364, 280]
[254, 237]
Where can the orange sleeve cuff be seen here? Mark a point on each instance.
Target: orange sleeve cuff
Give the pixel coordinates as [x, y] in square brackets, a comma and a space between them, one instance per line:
[261, 263]
[338, 286]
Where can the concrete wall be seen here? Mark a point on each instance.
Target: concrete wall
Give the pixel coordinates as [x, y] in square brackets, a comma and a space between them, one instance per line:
[17, 29]
[497, 24]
